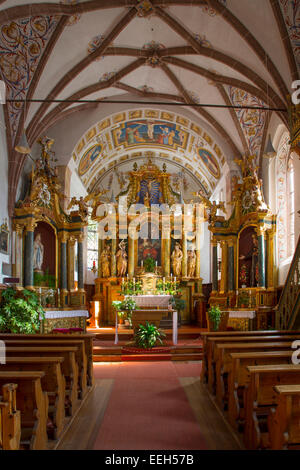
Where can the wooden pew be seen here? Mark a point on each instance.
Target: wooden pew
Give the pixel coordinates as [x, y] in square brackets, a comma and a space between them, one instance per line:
[10, 418]
[284, 420]
[213, 342]
[224, 363]
[88, 339]
[80, 355]
[238, 378]
[206, 335]
[53, 383]
[33, 405]
[69, 366]
[260, 397]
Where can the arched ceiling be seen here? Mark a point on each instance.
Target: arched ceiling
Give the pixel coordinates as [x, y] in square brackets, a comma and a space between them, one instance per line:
[223, 52]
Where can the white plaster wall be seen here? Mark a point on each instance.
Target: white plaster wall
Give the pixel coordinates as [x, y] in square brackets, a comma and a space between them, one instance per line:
[205, 255]
[3, 182]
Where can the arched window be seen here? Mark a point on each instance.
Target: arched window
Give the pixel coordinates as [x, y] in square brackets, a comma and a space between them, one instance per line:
[92, 244]
[281, 197]
[291, 208]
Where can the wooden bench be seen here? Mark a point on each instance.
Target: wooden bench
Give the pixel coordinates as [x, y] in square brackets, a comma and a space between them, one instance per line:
[284, 420]
[238, 378]
[260, 397]
[205, 335]
[33, 405]
[212, 352]
[53, 382]
[69, 367]
[80, 355]
[88, 339]
[224, 363]
[10, 419]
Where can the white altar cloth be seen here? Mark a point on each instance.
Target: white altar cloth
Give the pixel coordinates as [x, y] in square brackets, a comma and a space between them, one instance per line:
[66, 314]
[242, 314]
[161, 301]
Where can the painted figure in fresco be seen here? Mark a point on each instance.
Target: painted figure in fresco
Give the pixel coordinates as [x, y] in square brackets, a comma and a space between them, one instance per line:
[121, 257]
[132, 135]
[105, 261]
[149, 248]
[165, 135]
[38, 253]
[176, 258]
[150, 130]
[191, 263]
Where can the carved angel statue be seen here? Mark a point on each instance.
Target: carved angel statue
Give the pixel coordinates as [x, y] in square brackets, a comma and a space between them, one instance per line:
[211, 206]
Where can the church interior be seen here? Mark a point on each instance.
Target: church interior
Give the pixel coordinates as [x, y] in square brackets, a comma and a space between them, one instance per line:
[149, 226]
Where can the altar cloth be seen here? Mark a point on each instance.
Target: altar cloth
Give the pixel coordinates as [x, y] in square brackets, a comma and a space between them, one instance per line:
[66, 314]
[242, 314]
[161, 301]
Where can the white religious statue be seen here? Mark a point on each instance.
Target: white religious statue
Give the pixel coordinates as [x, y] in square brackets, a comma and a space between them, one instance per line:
[176, 257]
[38, 253]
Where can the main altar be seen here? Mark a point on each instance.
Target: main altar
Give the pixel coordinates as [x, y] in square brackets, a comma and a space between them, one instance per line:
[149, 244]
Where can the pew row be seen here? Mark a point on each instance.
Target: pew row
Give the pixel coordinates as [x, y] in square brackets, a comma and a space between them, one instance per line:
[260, 397]
[88, 339]
[10, 418]
[33, 405]
[238, 378]
[53, 382]
[284, 420]
[69, 367]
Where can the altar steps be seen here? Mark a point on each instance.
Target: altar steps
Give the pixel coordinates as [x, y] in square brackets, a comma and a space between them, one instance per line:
[173, 353]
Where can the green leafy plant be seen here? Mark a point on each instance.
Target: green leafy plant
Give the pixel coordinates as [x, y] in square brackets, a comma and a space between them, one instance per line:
[125, 308]
[168, 288]
[20, 312]
[243, 299]
[178, 304]
[149, 264]
[131, 288]
[148, 335]
[215, 314]
[47, 280]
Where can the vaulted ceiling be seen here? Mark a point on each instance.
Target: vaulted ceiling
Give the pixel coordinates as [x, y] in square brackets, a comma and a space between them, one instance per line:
[220, 52]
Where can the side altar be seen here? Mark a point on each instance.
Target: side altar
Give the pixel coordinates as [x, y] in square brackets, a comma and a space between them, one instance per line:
[146, 235]
[245, 242]
[48, 241]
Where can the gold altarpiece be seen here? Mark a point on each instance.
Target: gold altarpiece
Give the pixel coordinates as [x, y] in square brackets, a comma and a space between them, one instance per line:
[243, 251]
[148, 187]
[39, 218]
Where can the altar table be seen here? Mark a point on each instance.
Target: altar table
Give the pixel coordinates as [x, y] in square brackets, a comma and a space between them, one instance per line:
[64, 319]
[154, 301]
[241, 319]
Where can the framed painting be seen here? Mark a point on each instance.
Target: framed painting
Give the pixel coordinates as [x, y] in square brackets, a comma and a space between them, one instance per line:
[4, 241]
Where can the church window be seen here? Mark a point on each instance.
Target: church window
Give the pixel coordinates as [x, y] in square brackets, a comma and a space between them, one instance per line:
[92, 244]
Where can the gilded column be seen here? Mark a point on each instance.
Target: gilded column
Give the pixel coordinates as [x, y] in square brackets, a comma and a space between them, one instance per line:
[28, 255]
[184, 252]
[167, 254]
[71, 263]
[80, 261]
[224, 267]
[100, 248]
[131, 249]
[63, 237]
[215, 266]
[113, 263]
[261, 258]
[18, 265]
[230, 266]
[198, 256]
[271, 261]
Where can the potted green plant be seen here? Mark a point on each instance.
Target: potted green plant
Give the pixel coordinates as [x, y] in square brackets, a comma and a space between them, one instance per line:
[216, 319]
[117, 306]
[148, 335]
[20, 312]
[128, 305]
[149, 264]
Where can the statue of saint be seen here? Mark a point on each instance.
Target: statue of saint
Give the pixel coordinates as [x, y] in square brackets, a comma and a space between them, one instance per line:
[38, 253]
[176, 258]
[252, 257]
[121, 257]
[105, 261]
[191, 263]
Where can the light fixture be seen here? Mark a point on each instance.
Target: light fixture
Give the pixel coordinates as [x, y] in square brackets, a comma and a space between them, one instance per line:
[269, 150]
[23, 146]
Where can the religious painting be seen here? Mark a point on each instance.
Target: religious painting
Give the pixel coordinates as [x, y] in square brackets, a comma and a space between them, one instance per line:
[248, 258]
[89, 158]
[149, 248]
[4, 241]
[210, 162]
[150, 192]
[147, 131]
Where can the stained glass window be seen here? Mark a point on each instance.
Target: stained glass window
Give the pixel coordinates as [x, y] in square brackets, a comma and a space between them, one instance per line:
[92, 244]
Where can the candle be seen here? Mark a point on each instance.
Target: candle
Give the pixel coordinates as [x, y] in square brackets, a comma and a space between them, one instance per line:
[175, 279]
[123, 280]
[94, 264]
[142, 263]
[127, 275]
[156, 263]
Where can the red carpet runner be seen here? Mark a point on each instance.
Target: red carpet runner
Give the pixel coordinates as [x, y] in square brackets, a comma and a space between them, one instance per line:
[148, 408]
